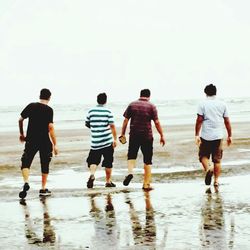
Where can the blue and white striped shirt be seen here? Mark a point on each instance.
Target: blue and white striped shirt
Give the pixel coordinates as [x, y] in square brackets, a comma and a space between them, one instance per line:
[99, 119]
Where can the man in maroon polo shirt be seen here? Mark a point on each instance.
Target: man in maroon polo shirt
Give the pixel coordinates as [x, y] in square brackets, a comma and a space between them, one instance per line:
[140, 113]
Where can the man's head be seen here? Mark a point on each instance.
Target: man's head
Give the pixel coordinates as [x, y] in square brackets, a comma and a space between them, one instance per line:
[210, 90]
[45, 94]
[102, 98]
[145, 93]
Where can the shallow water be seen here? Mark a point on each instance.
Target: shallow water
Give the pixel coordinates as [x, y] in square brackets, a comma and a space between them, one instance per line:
[173, 216]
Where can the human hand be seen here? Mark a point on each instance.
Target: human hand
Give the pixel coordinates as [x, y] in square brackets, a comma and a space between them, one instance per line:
[197, 140]
[229, 140]
[55, 149]
[114, 143]
[22, 138]
[162, 141]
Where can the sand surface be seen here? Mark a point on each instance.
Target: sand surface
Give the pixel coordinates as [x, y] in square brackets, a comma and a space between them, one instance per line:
[180, 213]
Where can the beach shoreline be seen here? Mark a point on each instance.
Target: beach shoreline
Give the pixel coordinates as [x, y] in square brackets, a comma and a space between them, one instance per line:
[177, 210]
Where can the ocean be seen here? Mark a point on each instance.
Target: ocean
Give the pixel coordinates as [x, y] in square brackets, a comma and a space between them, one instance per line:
[171, 112]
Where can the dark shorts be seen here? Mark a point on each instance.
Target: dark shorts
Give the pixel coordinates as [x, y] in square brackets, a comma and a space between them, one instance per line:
[146, 145]
[45, 151]
[213, 148]
[96, 155]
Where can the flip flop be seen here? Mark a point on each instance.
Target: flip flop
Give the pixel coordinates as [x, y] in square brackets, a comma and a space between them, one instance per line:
[208, 177]
[127, 179]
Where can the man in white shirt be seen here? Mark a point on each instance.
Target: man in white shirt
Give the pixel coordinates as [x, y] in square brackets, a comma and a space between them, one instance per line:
[212, 116]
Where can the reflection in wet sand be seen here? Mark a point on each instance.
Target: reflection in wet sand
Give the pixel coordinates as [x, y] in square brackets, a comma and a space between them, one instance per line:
[144, 235]
[49, 237]
[213, 228]
[107, 233]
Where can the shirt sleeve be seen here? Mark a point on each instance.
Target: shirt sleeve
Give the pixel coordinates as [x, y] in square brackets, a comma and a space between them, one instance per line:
[200, 110]
[225, 114]
[51, 115]
[87, 120]
[154, 114]
[111, 118]
[127, 113]
[26, 112]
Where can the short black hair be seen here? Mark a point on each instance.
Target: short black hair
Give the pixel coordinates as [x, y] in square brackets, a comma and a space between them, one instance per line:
[145, 93]
[102, 98]
[210, 90]
[45, 94]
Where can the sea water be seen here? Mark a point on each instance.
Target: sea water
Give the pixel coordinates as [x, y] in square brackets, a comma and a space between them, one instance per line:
[171, 112]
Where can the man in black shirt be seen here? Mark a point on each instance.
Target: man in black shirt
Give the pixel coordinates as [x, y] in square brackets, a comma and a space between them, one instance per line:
[40, 137]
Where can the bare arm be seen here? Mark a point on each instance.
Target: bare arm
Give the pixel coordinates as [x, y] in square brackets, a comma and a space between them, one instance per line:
[20, 123]
[160, 131]
[53, 137]
[124, 126]
[198, 124]
[113, 130]
[229, 130]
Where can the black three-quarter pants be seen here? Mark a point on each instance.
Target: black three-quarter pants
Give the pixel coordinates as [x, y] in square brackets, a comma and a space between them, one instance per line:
[45, 152]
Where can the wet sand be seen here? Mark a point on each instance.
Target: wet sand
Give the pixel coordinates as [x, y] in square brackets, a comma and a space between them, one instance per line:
[173, 216]
[180, 213]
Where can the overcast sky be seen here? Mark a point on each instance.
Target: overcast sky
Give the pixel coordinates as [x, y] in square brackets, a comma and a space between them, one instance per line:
[79, 48]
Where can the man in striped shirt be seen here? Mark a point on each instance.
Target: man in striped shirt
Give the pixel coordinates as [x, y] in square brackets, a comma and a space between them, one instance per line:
[100, 120]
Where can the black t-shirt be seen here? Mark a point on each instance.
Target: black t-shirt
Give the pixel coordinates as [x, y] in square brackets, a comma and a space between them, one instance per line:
[40, 115]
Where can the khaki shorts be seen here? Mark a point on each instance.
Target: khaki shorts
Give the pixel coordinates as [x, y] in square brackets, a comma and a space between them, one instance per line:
[213, 148]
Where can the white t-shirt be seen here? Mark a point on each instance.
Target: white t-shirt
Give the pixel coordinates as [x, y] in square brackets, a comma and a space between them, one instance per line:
[213, 112]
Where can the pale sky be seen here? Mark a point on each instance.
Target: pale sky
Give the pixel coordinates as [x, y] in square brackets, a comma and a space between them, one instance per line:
[78, 48]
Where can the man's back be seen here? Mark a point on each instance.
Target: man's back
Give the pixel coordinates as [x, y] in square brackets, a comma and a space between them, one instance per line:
[99, 119]
[213, 112]
[40, 115]
[141, 112]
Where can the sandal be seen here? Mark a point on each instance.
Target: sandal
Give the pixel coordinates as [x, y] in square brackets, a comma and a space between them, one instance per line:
[127, 179]
[208, 177]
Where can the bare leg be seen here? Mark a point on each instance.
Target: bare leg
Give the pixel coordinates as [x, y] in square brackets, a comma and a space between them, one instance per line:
[147, 175]
[92, 169]
[44, 180]
[26, 174]
[131, 165]
[129, 177]
[108, 174]
[208, 170]
[205, 163]
[26, 187]
[217, 171]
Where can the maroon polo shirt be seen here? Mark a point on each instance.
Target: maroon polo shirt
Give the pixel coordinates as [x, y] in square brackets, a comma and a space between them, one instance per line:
[140, 113]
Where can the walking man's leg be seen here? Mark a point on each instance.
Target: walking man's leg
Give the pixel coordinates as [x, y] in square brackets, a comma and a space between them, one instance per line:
[26, 159]
[44, 181]
[147, 151]
[205, 163]
[108, 158]
[109, 182]
[208, 170]
[147, 177]
[45, 173]
[93, 160]
[25, 174]
[26, 187]
[131, 165]
[129, 177]
[92, 170]
[217, 171]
